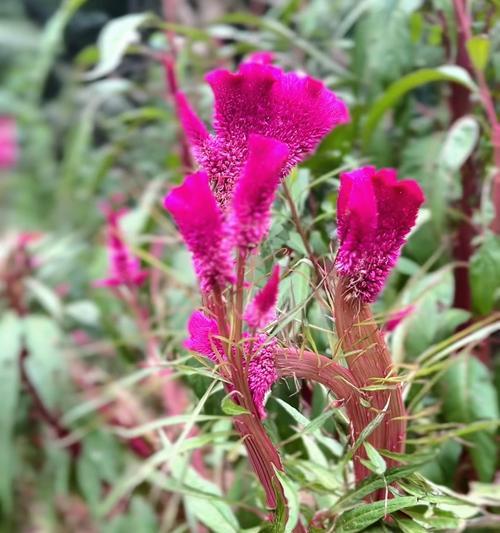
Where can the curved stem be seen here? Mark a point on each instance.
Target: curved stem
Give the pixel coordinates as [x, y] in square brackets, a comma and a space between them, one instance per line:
[292, 362]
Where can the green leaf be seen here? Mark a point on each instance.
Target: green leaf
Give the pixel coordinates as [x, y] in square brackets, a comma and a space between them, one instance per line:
[292, 499]
[10, 348]
[376, 462]
[50, 44]
[45, 363]
[469, 396]
[113, 42]
[84, 311]
[372, 483]
[484, 275]
[398, 89]
[479, 50]
[459, 143]
[230, 408]
[361, 517]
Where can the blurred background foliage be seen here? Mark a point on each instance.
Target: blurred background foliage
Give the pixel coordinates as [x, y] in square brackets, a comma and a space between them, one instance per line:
[95, 123]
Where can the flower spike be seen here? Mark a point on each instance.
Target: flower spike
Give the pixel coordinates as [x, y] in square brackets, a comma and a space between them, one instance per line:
[262, 309]
[202, 226]
[375, 214]
[255, 190]
[124, 268]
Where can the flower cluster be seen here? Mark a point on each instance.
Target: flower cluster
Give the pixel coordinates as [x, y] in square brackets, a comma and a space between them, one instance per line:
[375, 213]
[124, 268]
[265, 122]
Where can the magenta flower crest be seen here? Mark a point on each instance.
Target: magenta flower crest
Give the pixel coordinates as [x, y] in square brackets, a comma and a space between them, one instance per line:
[202, 226]
[262, 309]
[259, 99]
[375, 213]
[124, 268]
[255, 190]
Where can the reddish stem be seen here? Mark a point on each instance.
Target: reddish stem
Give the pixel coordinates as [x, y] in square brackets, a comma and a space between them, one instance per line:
[370, 363]
[465, 33]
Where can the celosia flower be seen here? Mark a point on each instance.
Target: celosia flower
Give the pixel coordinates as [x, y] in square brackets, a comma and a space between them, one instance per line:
[255, 190]
[8, 143]
[262, 99]
[262, 309]
[203, 332]
[262, 374]
[258, 350]
[201, 224]
[124, 268]
[375, 213]
[397, 317]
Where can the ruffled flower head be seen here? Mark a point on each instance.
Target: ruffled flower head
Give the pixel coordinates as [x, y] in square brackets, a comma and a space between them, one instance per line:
[124, 268]
[375, 213]
[202, 226]
[262, 309]
[261, 99]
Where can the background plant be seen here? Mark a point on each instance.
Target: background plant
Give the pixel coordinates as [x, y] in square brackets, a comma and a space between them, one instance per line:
[95, 122]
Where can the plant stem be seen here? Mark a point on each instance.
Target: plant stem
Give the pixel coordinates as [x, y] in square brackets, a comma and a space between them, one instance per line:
[301, 231]
[370, 363]
[464, 24]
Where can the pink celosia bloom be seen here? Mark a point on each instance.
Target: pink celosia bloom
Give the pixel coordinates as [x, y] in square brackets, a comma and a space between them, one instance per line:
[255, 190]
[262, 99]
[397, 317]
[201, 224]
[124, 268]
[262, 309]
[262, 372]
[8, 143]
[375, 213]
[203, 332]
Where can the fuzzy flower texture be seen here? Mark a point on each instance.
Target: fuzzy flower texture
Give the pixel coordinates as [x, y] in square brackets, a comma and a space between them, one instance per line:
[262, 374]
[375, 213]
[265, 122]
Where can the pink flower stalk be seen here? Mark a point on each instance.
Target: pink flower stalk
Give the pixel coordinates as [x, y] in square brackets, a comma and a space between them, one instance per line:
[9, 151]
[262, 309]
[202, 226]
[375, 213]
[397, 317]
[258, 350]
[124, 268]
[255, 190]
[260, 99]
